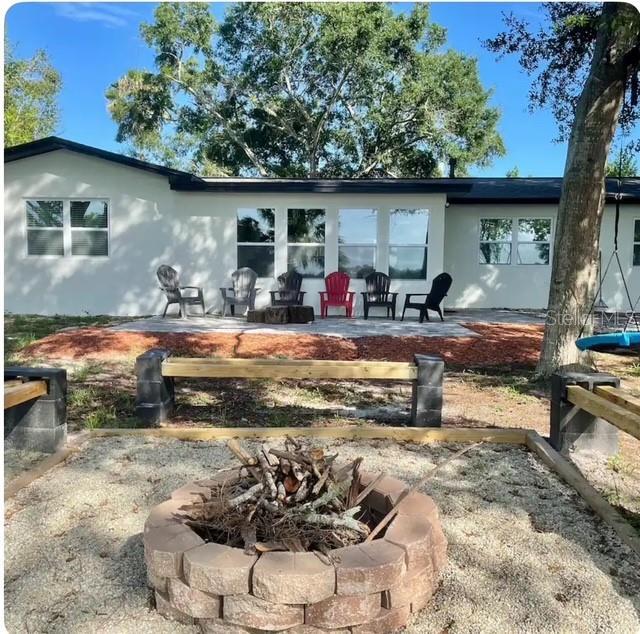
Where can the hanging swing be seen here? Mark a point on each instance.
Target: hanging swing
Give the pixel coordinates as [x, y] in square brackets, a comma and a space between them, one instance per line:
[622, 342]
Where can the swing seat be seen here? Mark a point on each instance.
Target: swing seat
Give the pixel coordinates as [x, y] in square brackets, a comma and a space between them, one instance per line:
[612, 342]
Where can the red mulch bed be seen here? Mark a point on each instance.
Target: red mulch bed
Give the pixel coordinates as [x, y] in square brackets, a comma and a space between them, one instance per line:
[500, 345]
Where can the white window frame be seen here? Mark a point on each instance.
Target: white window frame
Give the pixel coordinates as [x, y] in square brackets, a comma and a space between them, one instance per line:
[514, 242]
[519, 242]
[372, 245]
[258, 244]
[424, 245]
[308, 244]
[66, 226]
[509, 242]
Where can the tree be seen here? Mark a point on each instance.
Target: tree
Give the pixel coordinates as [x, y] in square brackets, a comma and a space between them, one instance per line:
[623, 164]
[514, 172]
[303, 89]
[31, 88]
[585, 59]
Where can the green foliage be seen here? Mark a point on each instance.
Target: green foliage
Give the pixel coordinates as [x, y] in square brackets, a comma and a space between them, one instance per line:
[31, 88]
[623, 164]
[514, 172]
[304, 89]
[558, 55]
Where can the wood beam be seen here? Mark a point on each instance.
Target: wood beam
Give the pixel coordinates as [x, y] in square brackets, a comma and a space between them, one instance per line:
[619, 397]
[16, 394]
[288, 369]
[613, 413]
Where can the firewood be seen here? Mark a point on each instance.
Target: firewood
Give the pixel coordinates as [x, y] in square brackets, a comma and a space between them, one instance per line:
[363, 494]
[319, 485]
[291, 484]
[248, 495]
[282, 494]
[302, 492]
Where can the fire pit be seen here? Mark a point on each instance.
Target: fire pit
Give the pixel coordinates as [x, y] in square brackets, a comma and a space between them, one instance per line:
[371, 586]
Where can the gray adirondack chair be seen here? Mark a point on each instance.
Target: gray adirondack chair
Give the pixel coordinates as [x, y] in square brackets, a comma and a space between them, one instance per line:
[242, 292]
[170, 286]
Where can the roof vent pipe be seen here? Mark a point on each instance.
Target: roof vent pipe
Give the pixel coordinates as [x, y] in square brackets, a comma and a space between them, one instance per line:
[452, 167]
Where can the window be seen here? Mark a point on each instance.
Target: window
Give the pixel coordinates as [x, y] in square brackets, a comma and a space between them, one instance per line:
[531, 237]
[534, 240]
[357, 234]
[636, 242]
[408, 240]
[495, 240]
[256, 240]
[305, 236]
[89, 227]
[67, 227]
[45, 234]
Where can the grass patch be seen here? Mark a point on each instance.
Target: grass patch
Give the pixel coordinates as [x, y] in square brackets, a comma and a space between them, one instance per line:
[22, 330]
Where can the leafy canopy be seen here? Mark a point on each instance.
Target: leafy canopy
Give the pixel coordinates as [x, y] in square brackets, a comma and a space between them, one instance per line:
[558, 55]
[31, 88]
[303, 89]
[623, 164]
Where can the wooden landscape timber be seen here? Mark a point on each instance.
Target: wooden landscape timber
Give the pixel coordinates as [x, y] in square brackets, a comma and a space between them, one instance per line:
[611, 404]
[287, 369]
[17, 392]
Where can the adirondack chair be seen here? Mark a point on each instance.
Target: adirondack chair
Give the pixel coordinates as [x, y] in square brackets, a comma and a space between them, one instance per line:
[378, 295]
[432, 300]
[242, 292]
[170, 286]
[337, 293]
[288, 293]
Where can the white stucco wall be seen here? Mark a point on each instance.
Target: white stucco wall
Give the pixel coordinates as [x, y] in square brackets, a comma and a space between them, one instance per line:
[152, 225]
[478, 285]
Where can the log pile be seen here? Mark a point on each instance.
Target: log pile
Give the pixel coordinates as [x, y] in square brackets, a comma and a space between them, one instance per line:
[292, 498]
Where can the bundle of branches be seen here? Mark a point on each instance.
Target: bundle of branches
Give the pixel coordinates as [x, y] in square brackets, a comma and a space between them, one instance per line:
[284, 499]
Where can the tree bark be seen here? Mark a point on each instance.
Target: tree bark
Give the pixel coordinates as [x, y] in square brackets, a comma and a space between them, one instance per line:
[577, 237]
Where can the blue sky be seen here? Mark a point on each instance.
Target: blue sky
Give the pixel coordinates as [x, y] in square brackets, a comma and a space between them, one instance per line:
[92, 45]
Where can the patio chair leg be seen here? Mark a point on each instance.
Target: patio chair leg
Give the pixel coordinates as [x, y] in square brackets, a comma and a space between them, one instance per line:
[183, 310]
[232, 308]
[164, 314]
[440, 313]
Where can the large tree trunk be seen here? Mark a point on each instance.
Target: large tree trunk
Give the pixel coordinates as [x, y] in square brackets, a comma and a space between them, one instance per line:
[577, 239]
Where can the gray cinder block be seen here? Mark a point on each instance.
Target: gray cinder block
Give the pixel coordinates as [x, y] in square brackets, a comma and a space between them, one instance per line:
[155, 394]
[573, 429]
[426, 400]
[39, 424]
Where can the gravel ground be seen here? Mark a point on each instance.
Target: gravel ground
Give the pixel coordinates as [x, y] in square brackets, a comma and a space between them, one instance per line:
[16, 461]
[525, 555]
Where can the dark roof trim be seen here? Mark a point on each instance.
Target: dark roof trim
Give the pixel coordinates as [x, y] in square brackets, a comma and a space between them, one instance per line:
[539, 190]
[320, 186]
[52, 143]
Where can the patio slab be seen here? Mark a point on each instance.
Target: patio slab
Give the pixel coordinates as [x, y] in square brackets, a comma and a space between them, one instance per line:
[332, 327]
[453, 326]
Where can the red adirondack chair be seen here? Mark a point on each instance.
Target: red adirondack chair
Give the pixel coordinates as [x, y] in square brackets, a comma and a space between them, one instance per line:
[337, 293]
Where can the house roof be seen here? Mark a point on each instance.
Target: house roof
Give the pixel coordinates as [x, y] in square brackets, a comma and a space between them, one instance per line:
[459, 190]
[52, 143]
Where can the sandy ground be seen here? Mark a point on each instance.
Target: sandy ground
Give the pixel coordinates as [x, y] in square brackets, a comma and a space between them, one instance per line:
[525, 555]
[16, 461]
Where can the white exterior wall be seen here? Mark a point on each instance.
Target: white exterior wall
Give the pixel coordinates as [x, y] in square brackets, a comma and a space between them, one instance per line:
[151, 225]
[513, 285]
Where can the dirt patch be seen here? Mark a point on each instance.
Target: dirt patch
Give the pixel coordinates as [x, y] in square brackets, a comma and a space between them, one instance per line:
[525, 553]
[500, 345]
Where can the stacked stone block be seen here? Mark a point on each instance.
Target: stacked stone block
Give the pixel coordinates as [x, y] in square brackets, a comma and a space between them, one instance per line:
[370, 588]
[155, 394]
[39, 424]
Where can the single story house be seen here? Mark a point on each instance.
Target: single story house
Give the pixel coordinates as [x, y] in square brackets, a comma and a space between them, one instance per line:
[86, 229]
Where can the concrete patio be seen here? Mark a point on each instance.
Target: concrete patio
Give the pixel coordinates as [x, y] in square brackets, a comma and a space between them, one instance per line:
[453, 326]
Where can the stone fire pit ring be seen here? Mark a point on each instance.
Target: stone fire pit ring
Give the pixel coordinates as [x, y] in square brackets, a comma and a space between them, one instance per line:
[371, 587]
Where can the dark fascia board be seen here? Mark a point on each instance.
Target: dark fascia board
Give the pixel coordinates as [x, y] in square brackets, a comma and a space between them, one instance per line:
[320, 186]
[52, 143]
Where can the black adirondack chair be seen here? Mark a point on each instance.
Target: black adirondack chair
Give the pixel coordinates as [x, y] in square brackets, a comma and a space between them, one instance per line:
[288, 293]
[170, 286]
[432, 300]
[378, 295]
